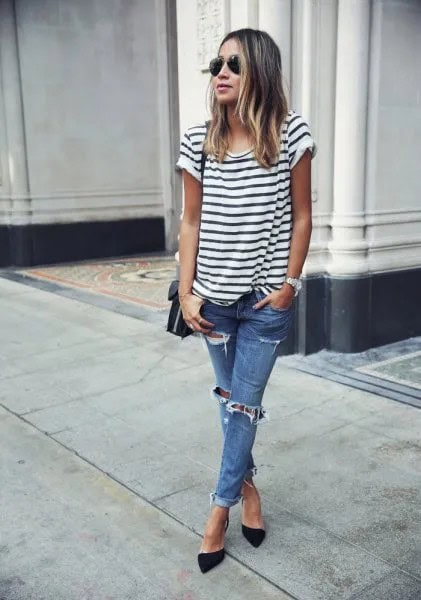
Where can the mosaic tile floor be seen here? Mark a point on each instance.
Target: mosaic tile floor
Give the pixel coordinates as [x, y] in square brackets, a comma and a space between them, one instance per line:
[142, 281]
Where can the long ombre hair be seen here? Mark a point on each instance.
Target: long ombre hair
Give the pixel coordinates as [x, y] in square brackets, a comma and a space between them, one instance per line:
[262, 105]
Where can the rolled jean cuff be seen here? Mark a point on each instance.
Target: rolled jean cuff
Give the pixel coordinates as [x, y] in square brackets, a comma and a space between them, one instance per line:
[224, 502]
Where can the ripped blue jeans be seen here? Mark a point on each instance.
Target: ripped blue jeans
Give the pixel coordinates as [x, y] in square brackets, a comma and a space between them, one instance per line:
[242, 357]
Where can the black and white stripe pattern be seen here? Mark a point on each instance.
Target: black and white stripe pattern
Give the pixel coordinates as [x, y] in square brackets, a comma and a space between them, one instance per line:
[245, 229]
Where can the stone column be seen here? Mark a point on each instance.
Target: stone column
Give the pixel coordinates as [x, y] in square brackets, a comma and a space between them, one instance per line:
[348, 247]
[275, 18]
[349, 284]
[166, 33]
[17, 184]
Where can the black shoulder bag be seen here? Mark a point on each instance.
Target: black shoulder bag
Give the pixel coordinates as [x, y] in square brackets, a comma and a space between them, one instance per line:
[176, 324]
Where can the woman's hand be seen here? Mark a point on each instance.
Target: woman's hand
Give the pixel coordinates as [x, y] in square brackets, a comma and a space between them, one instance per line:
[190, 307]
[279, 299]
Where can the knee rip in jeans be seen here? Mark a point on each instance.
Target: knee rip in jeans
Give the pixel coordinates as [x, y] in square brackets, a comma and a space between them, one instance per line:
[255, 414]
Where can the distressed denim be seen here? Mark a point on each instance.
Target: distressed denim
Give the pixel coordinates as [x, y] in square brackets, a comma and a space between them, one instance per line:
[242, 358]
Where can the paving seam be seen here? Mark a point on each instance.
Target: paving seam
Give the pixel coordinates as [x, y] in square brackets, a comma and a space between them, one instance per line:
[78, 399]
[87, 396]
[349, 381]
[342, 539]
[370, 586]
[149, 502]
[175, 518]
[158, 498]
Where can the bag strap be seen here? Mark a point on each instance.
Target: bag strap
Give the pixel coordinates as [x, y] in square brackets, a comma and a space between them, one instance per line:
[203, 157]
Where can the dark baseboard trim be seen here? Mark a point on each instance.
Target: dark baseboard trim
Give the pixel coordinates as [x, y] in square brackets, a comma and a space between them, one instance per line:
[352, 314]
[30, 245]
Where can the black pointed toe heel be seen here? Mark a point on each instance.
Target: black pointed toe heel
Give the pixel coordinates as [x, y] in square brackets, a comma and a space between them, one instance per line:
[209, 560]
[253, 535]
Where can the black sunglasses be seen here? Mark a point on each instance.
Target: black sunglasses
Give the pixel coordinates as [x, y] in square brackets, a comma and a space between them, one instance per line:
[233, 63]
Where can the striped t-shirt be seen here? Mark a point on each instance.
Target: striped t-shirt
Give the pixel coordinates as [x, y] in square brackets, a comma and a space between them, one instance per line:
[245, 228]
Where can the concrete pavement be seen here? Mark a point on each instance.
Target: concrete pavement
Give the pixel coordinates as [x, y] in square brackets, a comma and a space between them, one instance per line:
[110, 446]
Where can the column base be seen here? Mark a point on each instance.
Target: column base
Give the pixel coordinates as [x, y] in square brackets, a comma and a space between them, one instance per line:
[352, 314]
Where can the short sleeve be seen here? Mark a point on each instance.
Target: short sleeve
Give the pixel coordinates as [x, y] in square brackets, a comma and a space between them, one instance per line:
[299, 140]
[190, 157]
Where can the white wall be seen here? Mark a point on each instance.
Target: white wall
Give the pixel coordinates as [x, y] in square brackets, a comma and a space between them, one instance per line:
[93, 108]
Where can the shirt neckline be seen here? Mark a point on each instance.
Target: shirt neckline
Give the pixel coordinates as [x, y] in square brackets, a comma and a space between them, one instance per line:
[239, 154]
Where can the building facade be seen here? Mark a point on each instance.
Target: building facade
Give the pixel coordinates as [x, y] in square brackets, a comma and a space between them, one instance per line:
[88, 129]
[94, 95]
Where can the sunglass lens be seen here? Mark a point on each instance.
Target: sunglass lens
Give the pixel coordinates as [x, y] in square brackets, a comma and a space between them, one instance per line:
[234, 64]
[215, 66]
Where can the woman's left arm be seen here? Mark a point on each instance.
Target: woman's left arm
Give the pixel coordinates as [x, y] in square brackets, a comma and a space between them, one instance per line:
[301, 231]
[301, 215]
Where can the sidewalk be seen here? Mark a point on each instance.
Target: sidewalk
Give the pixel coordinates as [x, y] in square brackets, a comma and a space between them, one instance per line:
[110, 446]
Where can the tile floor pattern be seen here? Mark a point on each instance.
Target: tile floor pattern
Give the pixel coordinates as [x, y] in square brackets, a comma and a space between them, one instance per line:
[142, 281]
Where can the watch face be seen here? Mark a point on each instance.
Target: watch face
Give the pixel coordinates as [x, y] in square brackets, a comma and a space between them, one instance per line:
[296, 283]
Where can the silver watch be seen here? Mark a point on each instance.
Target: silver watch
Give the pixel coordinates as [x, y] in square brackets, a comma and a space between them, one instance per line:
[296, 284]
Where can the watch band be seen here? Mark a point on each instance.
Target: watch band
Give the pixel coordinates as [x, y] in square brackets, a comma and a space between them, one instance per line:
[295, 283]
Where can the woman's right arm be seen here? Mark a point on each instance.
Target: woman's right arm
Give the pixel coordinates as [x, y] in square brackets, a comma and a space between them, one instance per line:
[188, 246]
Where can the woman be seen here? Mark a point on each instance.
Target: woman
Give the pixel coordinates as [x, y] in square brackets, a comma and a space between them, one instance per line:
[244, 236]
